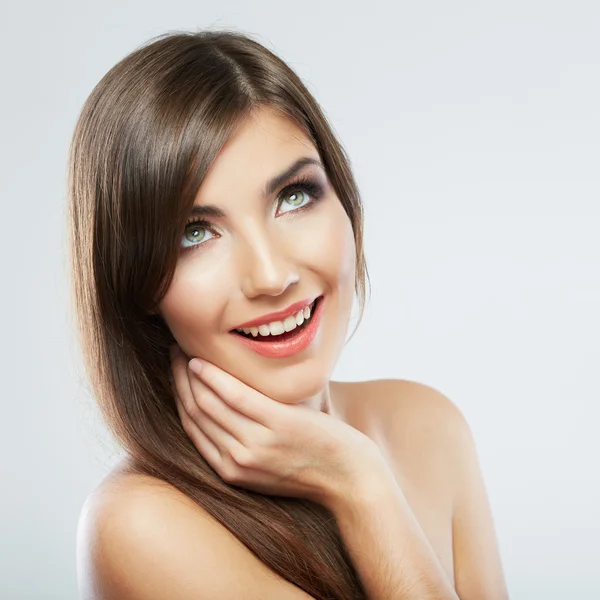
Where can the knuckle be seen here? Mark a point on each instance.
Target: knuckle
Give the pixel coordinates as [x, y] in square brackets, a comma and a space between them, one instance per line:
[229, 472]
[195, 413]
[187, 427]
[242, 456]
[268, 439]
[236, 398]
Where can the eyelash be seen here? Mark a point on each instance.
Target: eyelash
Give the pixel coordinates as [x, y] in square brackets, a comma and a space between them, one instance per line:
[302, 184]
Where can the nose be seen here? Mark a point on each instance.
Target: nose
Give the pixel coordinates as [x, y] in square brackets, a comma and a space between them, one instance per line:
[266, 267]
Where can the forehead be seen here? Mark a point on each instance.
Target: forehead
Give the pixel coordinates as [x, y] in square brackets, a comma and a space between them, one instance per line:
[264, 145]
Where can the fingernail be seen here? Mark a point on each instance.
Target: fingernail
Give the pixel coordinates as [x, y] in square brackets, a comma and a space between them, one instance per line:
[195, 366]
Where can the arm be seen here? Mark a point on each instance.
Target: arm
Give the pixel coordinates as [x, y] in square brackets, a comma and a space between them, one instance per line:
[477, 566]
[390, 552]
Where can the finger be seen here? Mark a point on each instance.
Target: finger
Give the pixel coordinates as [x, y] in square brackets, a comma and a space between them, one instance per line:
[182, 384]
[201, 401]
[236, 424]
[237, 394]
[199, 425]
[221, 436]
[220, 460]
[202, 443]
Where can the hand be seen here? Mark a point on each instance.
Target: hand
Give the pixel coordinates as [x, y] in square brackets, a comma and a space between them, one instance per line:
[255, 442]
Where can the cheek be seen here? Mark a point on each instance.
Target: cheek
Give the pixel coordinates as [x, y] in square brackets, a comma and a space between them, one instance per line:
[198, 294]
[333, 248]
[190, 307]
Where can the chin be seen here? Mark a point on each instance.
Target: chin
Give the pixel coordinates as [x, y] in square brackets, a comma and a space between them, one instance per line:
[292, 390]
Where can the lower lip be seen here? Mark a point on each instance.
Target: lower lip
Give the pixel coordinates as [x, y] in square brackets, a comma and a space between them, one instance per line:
[289, 347]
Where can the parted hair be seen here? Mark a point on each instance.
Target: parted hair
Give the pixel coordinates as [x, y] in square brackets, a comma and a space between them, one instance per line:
[142, 145]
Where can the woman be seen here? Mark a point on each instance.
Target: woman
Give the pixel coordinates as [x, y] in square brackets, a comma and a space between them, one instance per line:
[216, 243]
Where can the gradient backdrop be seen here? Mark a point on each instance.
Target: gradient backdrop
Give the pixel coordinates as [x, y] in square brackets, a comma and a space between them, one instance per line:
[474, 132]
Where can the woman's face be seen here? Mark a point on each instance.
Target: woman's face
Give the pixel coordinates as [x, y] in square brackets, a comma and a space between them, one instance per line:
[263, 254]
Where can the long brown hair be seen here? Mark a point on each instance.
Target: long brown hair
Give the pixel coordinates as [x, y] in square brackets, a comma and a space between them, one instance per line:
[143, 142]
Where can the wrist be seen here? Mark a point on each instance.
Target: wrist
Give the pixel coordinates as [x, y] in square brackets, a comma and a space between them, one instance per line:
[366, 477]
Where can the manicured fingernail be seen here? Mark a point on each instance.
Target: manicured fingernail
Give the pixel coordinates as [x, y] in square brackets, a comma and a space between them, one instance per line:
[195, 366]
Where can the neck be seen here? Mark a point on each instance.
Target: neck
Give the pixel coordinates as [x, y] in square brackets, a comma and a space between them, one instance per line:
[323, 401]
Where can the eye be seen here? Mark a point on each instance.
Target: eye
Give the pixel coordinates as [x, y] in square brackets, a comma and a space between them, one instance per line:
[295, 199]
[196, 234]
[300, 194]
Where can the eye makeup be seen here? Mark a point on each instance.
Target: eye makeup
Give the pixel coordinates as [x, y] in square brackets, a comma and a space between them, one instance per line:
[302, 183]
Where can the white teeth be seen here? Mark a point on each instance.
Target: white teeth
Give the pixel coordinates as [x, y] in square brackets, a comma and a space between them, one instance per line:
[290, 323]
[278, 327]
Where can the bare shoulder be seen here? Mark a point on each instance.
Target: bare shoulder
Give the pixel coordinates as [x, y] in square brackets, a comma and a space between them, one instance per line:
[421, 428]
[140, 538]
[418, 429]
[403, 412]
[431, 450]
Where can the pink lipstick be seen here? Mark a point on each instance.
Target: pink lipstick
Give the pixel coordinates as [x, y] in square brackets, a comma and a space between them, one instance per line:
[290, 342]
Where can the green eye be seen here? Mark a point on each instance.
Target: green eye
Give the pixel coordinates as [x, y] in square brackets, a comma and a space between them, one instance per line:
[299, 194]
[195, 234]
[192, 234]
[296, 199]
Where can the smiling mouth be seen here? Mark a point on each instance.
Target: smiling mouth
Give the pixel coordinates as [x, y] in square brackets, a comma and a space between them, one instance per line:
[259, 334]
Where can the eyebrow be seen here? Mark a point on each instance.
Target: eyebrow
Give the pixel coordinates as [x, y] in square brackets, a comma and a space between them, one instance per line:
[210, 210]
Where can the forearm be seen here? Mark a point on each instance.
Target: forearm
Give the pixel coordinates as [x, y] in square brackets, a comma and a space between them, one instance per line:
[388, 548]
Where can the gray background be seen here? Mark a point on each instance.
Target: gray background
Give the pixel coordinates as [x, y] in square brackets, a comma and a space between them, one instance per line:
[474, 132]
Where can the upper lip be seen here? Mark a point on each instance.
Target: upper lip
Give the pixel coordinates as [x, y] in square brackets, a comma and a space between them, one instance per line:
[279, 315]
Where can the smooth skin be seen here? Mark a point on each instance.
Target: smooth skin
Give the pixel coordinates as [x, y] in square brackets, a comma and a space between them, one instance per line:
[269, 447]
[267, 253]
[140, 538]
